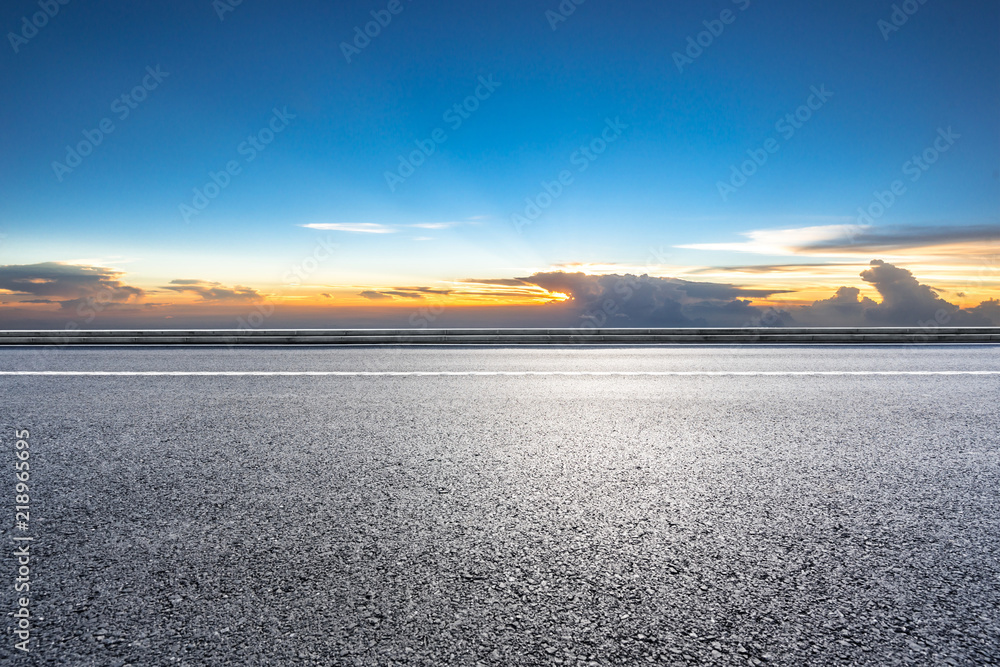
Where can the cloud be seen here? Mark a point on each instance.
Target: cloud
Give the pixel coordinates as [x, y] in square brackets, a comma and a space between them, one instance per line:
[852, 239]
[374, 296]
[508, 282]
[582, 284]
[378, 228]
[633, 301]
[721, 291]
[871, 239]
[905, 302]
[69, 285]
[779, 241]
[845, 308]
[739, 314]
[435, 225]
[513, 294]
[770, 268]
[638, 301]
[424, 290]
[404, 293]
[209, 291]
[988, 310]
[355, 227]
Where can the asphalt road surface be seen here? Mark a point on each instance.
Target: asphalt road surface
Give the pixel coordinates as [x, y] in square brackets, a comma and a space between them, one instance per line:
[573, 506]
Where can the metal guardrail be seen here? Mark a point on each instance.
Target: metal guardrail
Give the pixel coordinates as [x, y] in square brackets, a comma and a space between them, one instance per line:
[638, 336]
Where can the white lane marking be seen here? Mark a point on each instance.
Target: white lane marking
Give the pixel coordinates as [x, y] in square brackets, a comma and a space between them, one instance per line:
[485, 373]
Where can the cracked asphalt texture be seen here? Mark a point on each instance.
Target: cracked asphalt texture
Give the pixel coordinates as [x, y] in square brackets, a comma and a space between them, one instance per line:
[526, 520]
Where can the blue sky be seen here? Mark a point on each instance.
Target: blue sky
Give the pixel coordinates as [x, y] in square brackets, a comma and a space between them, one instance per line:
[653, 189]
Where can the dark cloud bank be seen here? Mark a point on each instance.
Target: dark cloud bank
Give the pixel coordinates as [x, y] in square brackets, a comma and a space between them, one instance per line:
[71, 286]
[83, 293]
[644, 301]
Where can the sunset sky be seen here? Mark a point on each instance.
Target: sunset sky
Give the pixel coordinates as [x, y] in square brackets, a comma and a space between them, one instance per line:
[499, 163]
